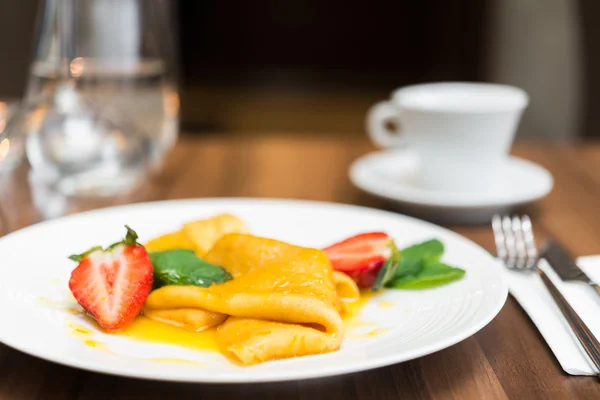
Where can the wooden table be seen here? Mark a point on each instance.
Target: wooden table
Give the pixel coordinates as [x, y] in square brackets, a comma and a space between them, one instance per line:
[506, 359]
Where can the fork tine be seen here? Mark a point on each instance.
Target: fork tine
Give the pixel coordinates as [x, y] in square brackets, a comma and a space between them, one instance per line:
[499, 237]
[515, 242]
[509, 241]
[521, 254]
[530, 247]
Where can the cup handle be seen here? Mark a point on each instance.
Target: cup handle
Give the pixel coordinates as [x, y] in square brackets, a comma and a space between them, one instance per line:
[380, 135]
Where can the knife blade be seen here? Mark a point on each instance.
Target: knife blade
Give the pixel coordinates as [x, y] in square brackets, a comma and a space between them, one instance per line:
[564, 264]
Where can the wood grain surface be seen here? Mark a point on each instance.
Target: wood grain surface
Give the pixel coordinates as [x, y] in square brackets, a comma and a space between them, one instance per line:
[506, 359]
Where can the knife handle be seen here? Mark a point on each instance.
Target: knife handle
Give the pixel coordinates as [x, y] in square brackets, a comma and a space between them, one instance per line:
[596, 287]
[563, 263]
[587, 339]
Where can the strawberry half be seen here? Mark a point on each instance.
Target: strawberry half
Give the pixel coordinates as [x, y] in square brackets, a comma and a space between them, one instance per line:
[360, 256]
[113, 284]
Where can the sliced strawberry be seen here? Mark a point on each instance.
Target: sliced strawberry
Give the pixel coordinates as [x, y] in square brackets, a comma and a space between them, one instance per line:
[365, 278]
[113, 284]
[360, 256]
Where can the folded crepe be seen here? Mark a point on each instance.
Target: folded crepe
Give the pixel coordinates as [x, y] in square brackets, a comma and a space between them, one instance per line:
[200, 235]
[282, 302]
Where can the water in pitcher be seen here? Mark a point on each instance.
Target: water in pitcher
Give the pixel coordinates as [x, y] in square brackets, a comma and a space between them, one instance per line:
[96, 132]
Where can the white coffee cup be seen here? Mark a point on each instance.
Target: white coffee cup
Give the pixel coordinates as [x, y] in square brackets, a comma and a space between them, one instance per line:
[461, 131]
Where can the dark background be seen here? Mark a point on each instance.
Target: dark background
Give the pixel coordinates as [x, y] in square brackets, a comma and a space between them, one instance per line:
[310, 65]
[297, 54]
[330, 43]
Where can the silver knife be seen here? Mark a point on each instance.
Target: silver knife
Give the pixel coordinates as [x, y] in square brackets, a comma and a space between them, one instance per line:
[564, 264]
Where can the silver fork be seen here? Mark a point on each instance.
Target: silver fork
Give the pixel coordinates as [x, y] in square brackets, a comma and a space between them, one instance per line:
[516, 247]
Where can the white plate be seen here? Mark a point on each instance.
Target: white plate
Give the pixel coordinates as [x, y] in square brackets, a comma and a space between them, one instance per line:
[35, 272]
[390, 174]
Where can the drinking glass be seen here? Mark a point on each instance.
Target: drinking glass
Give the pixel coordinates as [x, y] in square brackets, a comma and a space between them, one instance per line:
[11, 145]
[102, 105]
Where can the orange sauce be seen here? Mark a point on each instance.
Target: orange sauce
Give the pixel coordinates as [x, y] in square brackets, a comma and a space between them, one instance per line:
[86, 334]
[147, 330]
[352, 316]
[369, 334]
[80, 330]
[97, 345]
[46, 302]
[386, 304]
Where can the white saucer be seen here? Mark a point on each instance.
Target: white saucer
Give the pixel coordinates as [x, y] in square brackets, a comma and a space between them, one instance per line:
[391, 175]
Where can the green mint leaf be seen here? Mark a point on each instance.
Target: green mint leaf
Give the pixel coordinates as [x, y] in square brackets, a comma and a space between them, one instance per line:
[414, 256]
[388, 270]
[434, 273]
[183, 267]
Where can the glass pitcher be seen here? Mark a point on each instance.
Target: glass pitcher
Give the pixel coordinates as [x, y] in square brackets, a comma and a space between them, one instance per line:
[102, 105]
